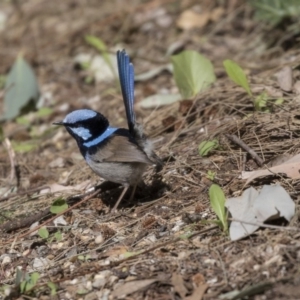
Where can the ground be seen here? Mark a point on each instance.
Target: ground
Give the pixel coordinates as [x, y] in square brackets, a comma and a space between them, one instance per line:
[164, 244]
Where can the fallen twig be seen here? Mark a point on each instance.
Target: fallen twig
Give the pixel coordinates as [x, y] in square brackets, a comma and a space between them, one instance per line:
[239, 142]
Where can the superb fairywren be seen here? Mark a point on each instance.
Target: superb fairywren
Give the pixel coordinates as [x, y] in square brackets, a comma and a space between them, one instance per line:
[117, 154]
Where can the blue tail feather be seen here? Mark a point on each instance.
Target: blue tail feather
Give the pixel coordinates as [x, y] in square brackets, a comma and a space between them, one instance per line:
[126, 76]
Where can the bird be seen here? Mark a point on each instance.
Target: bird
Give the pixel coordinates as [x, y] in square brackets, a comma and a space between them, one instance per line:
[119, 155]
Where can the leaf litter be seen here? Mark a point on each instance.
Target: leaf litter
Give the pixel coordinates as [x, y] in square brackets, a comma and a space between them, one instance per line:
[289, 168]
[254, 208]
[151, 238]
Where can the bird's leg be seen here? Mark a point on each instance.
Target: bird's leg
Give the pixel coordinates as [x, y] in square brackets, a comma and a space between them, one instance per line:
[120, 198]
[133, 192]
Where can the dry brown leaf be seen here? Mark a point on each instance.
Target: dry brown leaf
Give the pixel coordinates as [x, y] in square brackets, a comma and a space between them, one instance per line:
[279, 160]
[178, 283]
[55, 187]
[198, 279]
[216, 14]
[190, 19]
[198, 292]
[285, 78]
[291, 168]
[296, 87]
[118, 250]
[253, 208]
[131, 287]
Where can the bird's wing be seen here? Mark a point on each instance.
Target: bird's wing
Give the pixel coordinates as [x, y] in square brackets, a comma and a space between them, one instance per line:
[120, 149]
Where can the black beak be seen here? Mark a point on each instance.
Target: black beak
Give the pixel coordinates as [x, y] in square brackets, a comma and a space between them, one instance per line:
[58, 123]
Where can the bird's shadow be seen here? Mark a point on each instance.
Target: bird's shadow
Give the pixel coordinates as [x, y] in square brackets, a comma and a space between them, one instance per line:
[110, 192]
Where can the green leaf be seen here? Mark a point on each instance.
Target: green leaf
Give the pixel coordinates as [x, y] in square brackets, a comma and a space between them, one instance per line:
[44, 112]
[43, 233]
[206, 146]
[82, 292]
[23, 121]
[58, 206]
[24, 147]
[186, 235]
[276, 12]
[237, 75]
[101, 47]
[129, 254]
[279, 101]
[19, 276]
[261, 101]
[217, 202]
[192, 72]
[23, 286]
[58, 236]
[210, 175]
[52, 287]
[28, 286]
[34, 277]
[22, 90]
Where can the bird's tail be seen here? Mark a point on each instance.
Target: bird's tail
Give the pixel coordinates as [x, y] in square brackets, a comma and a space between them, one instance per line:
[126, 76]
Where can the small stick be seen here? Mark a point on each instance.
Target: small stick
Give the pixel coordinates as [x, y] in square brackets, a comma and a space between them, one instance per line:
[235, 139]
[12, 158]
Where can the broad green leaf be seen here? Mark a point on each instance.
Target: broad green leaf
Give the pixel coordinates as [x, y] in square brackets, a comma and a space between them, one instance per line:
[58, 206]
[34, 277]
[21, 89]
[101, 47]
[237, 75]
[43, 233]
[217, 202]
[52, 287]
[206, 146]
[192, 72]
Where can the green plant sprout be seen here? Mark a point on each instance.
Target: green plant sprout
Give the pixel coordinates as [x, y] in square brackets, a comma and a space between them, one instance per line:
[29, 282]
[210, 175]
[206, 147]
[217, 202]
[238, 76]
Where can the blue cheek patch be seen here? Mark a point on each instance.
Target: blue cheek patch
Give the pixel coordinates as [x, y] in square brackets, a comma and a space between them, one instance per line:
[82, 132]
[109, 131]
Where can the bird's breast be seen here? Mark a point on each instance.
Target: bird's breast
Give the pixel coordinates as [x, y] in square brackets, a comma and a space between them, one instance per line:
[128, 173]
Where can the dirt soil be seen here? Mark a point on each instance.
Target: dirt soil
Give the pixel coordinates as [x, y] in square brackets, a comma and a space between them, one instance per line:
[164, 244]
